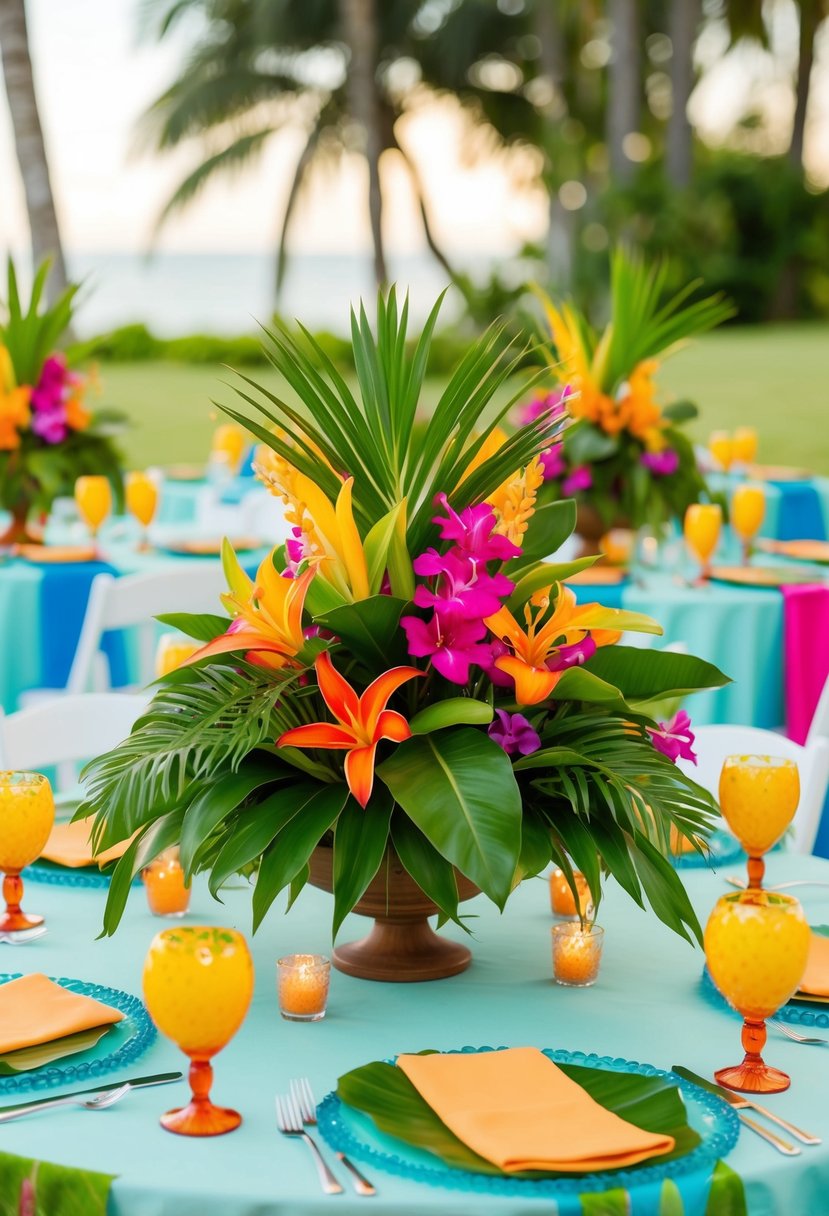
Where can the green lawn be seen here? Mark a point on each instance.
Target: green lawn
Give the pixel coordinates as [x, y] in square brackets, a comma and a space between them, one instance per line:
[774, 378]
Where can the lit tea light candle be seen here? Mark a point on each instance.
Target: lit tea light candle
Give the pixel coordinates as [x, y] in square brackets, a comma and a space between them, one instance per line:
[577, 952]
[561, 897]
[164, 883]
[302, 986]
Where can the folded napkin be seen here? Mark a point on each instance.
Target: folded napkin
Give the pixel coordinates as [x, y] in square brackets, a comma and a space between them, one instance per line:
[34, 1010]
[518, 1110]
[69, 845]
[816, 976]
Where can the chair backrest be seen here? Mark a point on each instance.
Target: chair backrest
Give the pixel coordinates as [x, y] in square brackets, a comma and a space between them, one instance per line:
[66, 731]
[819, 728]
[132, 602]
[714, 743]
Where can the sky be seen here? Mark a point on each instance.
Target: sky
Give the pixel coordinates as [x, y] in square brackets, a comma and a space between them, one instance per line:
[94, 77]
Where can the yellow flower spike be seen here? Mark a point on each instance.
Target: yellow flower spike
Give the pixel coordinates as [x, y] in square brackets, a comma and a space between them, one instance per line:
[493, 443]
[514, 501]
[350, 544]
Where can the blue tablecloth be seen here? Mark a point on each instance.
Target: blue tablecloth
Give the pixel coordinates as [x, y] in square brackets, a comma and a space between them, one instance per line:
[795, 510]
[647, 1006]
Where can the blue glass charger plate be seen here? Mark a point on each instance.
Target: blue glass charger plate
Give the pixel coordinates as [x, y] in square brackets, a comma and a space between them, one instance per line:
[725, 849]
[800, 1011]
[349, 1131]
[87, 877]
[121, 1045]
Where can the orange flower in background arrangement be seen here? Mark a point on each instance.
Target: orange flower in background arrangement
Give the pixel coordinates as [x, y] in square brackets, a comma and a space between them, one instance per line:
[78, 416]
[362, 722]
[14, 405]
[644, 412]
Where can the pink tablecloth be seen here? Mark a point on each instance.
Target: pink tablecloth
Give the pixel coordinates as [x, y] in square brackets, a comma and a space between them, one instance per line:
[806, 639]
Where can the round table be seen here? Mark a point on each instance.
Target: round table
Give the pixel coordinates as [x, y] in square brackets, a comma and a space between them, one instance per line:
[648, 1005]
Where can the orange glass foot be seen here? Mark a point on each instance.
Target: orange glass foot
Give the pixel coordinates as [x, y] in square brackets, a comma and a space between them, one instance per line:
[14, 921]
[201, 1118]
[753, 1077]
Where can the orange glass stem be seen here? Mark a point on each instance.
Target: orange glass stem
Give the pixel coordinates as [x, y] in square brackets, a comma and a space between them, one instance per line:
[14, 917]
[753, 1075]
[756, 871]
[200, 1117]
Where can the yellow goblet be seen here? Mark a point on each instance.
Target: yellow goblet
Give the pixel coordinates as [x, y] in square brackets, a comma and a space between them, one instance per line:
[27, 812]
[703, 522]
[744, 445]
[173, 649]
[756, 946]
[748, 508]
[142, 502]
[230, 440]
[758, 798]
[198, 982]
[721, 447]
[93, 496]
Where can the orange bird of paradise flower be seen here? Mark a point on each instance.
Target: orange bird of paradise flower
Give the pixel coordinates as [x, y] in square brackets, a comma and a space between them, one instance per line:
[362, 721]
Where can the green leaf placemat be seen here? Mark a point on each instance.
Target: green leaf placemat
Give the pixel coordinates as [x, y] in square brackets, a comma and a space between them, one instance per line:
[27, 1058]
[39, 1188]
[383, 1092]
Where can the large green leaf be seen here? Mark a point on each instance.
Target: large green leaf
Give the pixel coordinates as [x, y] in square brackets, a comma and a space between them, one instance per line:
[431, 871]
[543, 574]
[154, 839]
[643, 675]
[370, 630]
[256, 827]
[459, 788]
[548, 529]
[455, 711]
[315, 810]
[583, 684]
[386, 1094]
[360, 840]
[727, 1196]
[221, 797]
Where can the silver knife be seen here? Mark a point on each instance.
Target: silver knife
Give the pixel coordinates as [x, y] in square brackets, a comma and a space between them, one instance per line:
[740, 1102]
[161, 1078]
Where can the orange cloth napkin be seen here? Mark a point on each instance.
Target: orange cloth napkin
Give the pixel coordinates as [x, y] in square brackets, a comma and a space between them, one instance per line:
[816, 976]
[521, 1112]
[35, 1010]
[69, 845]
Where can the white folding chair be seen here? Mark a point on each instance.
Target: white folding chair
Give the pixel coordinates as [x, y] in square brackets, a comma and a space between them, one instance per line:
[819, 728]
[67, 731]
[714, 743]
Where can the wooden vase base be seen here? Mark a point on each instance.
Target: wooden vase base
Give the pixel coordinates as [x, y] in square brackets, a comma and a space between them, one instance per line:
[402, 953]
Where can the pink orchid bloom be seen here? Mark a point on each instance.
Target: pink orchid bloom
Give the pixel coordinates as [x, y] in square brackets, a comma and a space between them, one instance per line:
[472, 532]
[451, 642]
[514, 734]
[674, 739]
[463, 585]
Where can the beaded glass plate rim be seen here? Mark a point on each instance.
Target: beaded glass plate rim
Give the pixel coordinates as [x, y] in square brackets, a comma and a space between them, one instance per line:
[714, 1146]
[797, 1011]
[67, 876]
[52, 1075]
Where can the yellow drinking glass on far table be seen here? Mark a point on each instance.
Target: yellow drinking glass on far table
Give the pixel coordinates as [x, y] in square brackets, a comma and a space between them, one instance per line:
[230, 441]
[748, 509]
[93, 497]
[721, 447]
[142, 501]
[27, 813]
[758, 798]
[198, 982]
[756, 947]
[744, 444]
[173, 649]
[703, 524]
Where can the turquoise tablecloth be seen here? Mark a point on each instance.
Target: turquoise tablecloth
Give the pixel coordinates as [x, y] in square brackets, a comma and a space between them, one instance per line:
[647, 1006]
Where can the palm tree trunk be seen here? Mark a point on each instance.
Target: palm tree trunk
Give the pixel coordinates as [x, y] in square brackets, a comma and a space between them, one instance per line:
[624, 84]
[359, 19]
[809, 21]
[683, 22]
[28, 138]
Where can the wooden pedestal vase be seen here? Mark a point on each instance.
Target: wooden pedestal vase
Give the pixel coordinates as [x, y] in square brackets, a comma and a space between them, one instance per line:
[402, 947]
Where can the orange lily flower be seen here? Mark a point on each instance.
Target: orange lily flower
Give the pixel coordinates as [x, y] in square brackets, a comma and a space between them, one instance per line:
[362, 721]
[537, 645]
[267, 616]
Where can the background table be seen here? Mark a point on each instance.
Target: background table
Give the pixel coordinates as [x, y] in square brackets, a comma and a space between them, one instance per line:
[647, 1006]
[795, 510]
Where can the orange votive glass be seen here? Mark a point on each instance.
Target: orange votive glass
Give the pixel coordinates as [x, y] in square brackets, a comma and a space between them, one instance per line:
[164, 883]
[577, 953]
[561, 897]
[302, 986]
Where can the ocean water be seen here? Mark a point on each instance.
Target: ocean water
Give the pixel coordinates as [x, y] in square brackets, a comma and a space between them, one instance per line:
[230, 293]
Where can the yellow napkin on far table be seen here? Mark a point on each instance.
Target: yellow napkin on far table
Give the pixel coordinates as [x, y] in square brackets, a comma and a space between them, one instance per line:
[69, 845]
[34, 1009]
[816, 977]
[521, 1112]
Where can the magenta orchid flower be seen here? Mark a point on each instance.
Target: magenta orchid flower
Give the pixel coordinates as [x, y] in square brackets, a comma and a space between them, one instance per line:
[552, 462]
[546, 406]
[471, 530]
[463, 585]
[579, 478]
[674, 739]
[661, 464]
[451, 642]
[514, 734]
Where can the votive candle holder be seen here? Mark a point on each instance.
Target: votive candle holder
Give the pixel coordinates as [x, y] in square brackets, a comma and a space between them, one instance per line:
[561, 897]
[577, 954]
[163, 878]
[302, 982]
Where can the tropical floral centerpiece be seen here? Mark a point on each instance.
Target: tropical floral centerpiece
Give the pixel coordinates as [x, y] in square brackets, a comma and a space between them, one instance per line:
[626, 459]
[48, 435]
[405, 685]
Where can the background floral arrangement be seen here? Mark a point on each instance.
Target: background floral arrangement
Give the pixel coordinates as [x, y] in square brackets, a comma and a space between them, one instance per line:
[406, 674]
[626, 455]
[48, 434]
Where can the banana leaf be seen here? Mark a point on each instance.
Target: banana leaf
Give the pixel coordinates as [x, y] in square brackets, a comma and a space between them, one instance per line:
[385, 1094]
[26, 1058]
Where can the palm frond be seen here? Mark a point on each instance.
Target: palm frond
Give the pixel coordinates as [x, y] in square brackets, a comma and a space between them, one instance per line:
[231, 159]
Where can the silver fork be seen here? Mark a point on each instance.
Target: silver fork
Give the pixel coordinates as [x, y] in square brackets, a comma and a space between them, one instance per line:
[22, 937]
[289, 1122]
[792, 1034]
[734, 880]
[303, 1097]
[98, 1102]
